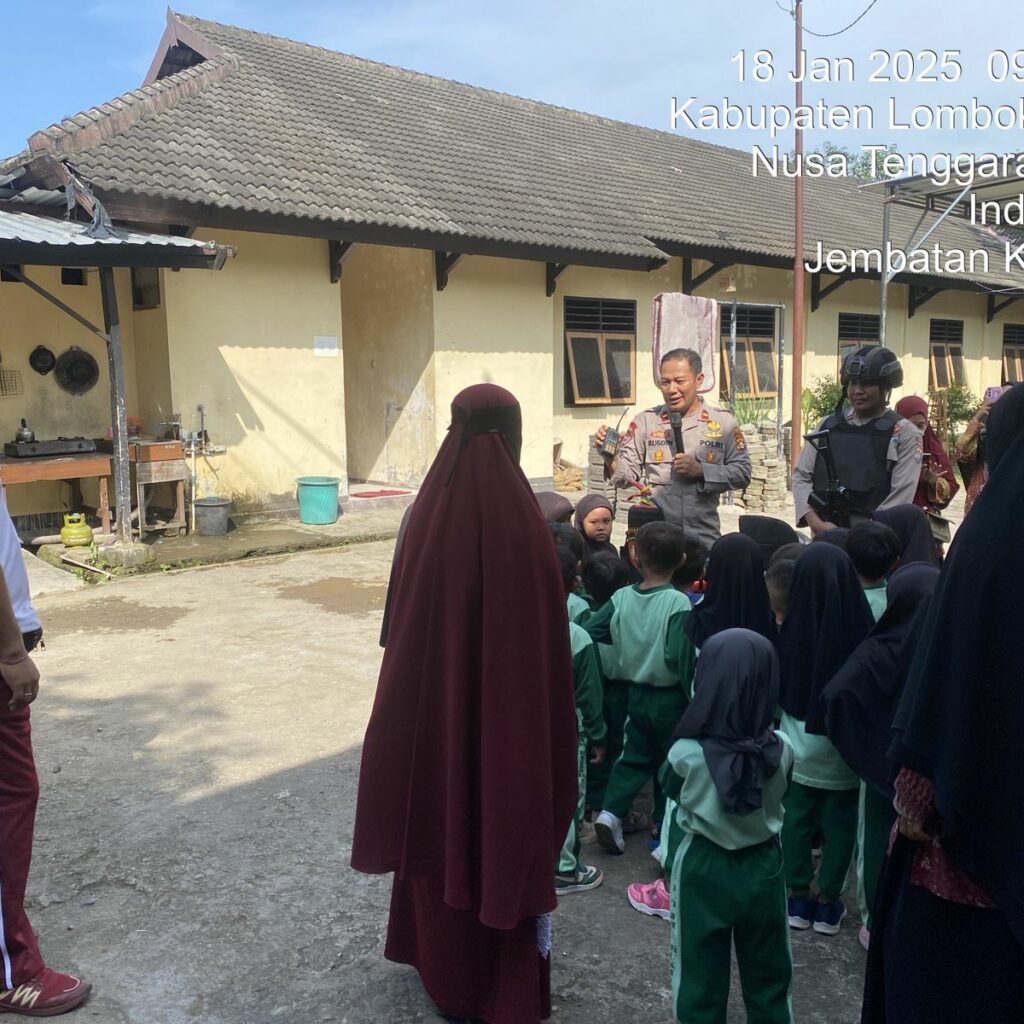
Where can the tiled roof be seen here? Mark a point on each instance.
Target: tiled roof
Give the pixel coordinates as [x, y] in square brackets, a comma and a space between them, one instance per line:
[271, 126]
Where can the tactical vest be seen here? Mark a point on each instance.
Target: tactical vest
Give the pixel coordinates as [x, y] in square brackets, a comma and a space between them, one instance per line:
[862, 460]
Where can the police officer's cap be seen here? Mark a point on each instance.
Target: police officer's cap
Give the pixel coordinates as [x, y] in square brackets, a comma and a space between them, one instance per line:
[873, 365]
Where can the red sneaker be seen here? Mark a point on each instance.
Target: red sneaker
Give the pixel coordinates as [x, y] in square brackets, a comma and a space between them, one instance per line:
[46, 995]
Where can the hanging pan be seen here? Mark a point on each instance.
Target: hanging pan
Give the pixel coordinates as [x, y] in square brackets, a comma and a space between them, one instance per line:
[42, 360]
[77, 371]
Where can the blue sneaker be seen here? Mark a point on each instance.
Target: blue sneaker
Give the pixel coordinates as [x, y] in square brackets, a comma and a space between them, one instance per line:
[828, 917]
[801, 912]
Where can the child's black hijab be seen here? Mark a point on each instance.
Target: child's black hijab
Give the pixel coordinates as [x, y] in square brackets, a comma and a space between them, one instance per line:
[961, 718]
[828, 615]
[861, 699]
[583, 509]
[735, 691]
[737, 597]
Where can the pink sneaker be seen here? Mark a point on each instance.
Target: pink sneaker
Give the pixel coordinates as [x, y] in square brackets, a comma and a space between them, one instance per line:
[651, 899]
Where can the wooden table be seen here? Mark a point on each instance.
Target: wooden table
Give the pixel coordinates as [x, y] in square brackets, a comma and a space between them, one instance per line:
[72, 468]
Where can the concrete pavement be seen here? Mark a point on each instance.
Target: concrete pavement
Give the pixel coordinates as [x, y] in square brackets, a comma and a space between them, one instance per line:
[198, 737]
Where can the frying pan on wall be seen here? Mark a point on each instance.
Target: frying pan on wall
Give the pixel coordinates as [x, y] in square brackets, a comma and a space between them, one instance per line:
[42, 360]
[77, 371]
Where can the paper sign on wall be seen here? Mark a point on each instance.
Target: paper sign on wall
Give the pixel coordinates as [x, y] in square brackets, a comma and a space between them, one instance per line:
[326, 347]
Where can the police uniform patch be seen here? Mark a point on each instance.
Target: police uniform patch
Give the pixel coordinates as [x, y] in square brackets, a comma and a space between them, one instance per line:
[659, 455]
[710, 457]
[714, 429]
[739, 440]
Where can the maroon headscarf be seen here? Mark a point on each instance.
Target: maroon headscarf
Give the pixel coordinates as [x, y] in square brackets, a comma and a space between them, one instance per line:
[472, 739]
[911, 406]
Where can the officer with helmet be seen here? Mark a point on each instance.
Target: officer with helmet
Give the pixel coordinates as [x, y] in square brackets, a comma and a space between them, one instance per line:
[877, 453]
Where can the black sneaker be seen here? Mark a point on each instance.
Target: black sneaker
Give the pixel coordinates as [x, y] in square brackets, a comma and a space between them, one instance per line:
[828, 917]
[801, 912]
[585, 879]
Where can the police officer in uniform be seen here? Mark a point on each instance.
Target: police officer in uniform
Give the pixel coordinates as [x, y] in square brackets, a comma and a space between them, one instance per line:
[714, 458]
[877, 453]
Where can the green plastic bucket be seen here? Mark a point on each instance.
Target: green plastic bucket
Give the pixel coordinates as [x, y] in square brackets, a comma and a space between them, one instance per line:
[318, 499]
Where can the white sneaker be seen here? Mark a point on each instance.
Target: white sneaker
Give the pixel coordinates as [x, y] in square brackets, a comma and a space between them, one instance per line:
[609, 832]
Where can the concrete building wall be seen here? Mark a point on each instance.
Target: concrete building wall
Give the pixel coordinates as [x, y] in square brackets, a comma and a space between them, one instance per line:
[574, 425]
[493, 324]
[153, 366]
[241, 342]
[28, 320]
[387, 297]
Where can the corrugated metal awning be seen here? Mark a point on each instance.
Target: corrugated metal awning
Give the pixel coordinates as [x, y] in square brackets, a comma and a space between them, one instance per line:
[33, 239]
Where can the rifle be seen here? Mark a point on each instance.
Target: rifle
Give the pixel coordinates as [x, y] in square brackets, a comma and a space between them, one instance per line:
[834, 504]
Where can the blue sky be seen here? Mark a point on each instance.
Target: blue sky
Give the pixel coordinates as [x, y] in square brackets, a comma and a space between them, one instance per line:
[620, 60]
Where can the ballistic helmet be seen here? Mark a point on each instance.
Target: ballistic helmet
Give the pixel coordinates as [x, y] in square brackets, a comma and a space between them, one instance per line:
[872, 365]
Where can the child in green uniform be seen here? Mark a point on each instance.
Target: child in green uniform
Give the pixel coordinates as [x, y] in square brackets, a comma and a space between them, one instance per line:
[570, 875]
[644, 623]
[728, 883]
[603, 575]
[874, 549]
[572, 540]
[827, 618]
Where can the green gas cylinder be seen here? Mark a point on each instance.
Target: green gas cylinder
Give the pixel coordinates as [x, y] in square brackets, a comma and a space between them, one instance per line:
[77, 533]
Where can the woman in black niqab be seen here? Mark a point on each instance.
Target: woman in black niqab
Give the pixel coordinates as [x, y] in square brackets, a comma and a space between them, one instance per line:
[737, 597]
[959, 726]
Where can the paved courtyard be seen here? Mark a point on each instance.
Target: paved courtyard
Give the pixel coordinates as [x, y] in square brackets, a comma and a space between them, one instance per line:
[198, 737]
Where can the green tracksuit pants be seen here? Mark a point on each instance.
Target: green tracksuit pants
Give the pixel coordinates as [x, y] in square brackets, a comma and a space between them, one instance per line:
[569, 858]
[654, 712]
[616, 707]
[833, 814]
[720, 897]
[877, 815]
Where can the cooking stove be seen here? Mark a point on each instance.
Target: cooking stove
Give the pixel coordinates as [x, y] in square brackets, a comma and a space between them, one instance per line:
[61, 446]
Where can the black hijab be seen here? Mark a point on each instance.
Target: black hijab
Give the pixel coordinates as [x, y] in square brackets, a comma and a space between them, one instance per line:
[556, 508]
[862, 697]
[583, 509]
[961, 720]
[735, 692]
[737, 597]
[828, 615]
[910, 524]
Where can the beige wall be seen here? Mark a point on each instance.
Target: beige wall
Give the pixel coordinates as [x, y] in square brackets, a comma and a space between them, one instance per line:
[493, 324]
[241, 343]
[387, 297]
[574, 425]
[153, 367]
[28, 320]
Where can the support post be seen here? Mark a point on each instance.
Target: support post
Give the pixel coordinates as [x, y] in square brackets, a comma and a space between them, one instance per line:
[118, 410]
[796, 403]
[884, 299]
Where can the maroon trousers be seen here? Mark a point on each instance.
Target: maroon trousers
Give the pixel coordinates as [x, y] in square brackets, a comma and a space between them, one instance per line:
[19, 791]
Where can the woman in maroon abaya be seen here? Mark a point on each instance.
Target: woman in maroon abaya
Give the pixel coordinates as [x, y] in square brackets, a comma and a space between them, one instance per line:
[468, 778]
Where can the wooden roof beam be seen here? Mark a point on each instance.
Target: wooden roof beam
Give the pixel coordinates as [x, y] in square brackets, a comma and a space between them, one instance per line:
[444, 262]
